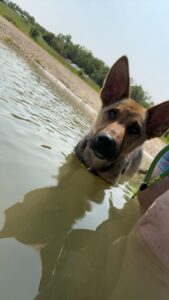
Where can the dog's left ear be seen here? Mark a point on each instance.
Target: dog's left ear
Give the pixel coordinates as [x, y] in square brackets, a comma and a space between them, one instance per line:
[117, 82]
[158, 120]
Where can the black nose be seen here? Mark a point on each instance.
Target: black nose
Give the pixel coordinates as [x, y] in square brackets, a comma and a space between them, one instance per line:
[104, 147]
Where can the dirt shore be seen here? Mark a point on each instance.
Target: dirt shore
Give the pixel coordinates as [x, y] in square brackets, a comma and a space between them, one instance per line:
[35, 53]
[59, 73]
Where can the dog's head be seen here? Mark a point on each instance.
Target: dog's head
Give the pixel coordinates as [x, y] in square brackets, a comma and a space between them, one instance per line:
[122, 124]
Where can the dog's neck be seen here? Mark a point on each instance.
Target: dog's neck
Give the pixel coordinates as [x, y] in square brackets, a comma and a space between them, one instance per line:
[108, 167]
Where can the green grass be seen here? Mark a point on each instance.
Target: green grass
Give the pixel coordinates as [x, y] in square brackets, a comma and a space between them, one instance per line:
[14, 18]
[165, 139]
[25, 27]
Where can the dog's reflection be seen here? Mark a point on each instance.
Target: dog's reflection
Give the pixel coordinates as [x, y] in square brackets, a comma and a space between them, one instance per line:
[46, 215]
[82, 270]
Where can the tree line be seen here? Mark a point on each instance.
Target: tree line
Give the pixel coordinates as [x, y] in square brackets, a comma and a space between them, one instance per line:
[80, 57]
[90, 65]
[22, 12]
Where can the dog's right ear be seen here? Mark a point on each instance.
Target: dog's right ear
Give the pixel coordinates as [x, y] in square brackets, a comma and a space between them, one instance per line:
[117, 82]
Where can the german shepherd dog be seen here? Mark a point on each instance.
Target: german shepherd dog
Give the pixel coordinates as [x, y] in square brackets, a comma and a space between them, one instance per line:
[113, 146]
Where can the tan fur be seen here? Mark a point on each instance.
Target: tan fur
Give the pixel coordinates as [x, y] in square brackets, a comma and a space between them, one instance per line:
[128, 114]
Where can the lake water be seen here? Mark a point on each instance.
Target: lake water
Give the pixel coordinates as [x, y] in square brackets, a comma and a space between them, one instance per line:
[39, 128]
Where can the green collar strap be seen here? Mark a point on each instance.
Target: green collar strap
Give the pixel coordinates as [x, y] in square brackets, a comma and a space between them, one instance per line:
[147, 180]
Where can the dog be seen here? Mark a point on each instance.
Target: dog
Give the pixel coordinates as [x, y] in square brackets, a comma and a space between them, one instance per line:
[112, 150]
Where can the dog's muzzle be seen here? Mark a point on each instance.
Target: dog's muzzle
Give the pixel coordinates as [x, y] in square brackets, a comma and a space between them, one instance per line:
[104, 147]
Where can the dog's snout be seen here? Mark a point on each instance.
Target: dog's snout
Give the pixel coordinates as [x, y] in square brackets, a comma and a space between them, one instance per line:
[104, 146]
[104, 140]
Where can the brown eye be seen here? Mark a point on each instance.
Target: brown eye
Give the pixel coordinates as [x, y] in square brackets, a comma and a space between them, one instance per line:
[133, 129]
[112, 114]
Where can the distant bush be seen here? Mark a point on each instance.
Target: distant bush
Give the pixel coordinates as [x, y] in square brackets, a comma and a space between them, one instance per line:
[140, 96]
[34, 33]
[81, 73]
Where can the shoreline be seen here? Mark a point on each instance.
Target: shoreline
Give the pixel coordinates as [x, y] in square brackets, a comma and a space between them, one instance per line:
[91, 112]
[50, 67]
[86, 98]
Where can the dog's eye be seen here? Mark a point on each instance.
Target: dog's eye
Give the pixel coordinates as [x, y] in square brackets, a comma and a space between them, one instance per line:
[112, 114]
[133, 129]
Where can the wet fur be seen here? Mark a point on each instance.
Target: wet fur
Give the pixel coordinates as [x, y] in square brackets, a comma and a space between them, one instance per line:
[152, 122]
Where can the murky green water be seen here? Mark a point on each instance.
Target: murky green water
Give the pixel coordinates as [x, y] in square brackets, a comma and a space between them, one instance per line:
[39, 128]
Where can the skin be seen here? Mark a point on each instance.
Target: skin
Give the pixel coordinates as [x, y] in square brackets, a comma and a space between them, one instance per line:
[149, 195]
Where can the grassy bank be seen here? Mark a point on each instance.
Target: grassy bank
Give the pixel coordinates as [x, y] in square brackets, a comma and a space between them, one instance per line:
[14, 18]
[25, 26]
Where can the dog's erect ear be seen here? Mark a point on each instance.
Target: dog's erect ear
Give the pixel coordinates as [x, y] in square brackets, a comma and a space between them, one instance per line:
[117, 82]
[158, 120]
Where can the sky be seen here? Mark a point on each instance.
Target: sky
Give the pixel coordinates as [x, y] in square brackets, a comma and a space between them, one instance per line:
[112, 28]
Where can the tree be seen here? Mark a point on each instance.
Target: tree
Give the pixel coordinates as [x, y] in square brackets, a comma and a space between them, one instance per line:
[34, 33]
[49, 38]
[95, 68]
[140, 96]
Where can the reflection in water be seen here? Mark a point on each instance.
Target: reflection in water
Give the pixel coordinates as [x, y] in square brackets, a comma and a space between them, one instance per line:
[72, 260]
[46, 215]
